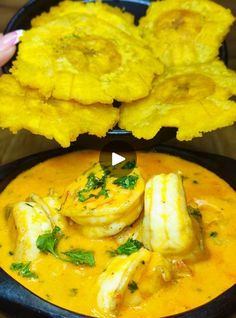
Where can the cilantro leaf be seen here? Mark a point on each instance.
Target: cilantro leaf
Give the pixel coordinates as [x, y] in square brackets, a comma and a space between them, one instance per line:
[23, 270]
[48, 242]
[104, 192]
[132, 286]
[83, 198]
[126, 182]
[129, 165]
[130, 247]
[80, 257]
[94, 183]
[213, 234]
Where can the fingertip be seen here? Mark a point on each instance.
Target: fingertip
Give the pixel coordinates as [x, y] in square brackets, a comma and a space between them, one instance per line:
[6, 55]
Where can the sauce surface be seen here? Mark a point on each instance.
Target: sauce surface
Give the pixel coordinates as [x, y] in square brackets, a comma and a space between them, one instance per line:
[73, 287]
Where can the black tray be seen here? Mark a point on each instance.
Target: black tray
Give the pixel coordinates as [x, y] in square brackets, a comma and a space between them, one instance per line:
[16, 298]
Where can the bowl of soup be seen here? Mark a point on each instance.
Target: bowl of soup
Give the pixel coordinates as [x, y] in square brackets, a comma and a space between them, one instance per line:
[65, 235]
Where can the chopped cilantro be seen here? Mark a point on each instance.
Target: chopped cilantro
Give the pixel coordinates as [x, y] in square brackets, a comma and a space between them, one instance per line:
[48, 242]
[80, 257]
[128, 248]
[213, 234]
[104, 192]
[94, 183]
[83, 198]
[129, 165]
[132, 286]
[126, 182]
[23, 270]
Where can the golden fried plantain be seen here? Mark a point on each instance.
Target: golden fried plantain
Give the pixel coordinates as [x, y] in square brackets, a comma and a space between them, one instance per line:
[195, 99]
[83, 58]
[113, 15]
[61, 120]
[184, 32]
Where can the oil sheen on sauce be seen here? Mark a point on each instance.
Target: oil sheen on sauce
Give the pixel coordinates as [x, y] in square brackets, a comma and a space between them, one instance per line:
[73, 287]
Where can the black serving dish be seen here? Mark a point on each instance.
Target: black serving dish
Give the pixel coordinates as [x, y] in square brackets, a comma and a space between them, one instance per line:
[21, 20]
[16, 298]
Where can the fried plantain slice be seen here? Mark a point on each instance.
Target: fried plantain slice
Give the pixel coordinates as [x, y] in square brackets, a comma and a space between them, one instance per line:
[83, 58]
[195, 99]
[61, 120]
[113, 15]
[183, 32]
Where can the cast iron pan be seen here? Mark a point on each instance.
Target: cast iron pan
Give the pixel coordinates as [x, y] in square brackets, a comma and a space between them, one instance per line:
[15, 298]
[21, 20]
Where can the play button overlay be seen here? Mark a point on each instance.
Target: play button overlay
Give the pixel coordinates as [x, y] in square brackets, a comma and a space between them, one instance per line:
[116, 159]
[119, 157]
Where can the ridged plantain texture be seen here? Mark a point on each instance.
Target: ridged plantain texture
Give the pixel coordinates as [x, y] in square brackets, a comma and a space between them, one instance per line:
[62, 120]
[87, 59]
[183, 32]
[194, 99]
[113, 15]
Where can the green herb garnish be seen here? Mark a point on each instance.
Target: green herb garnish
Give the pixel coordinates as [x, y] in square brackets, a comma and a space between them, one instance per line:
[80, 257]
[48, 242]
[213, 234]
[94, 183]
[83, 198]
[130, 247]
[126, 182]
[23, 270]
[132, 286]
[129, 165]
[104, 192]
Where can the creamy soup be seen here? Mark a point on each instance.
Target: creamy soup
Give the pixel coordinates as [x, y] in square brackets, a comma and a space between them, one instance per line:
[75, 287]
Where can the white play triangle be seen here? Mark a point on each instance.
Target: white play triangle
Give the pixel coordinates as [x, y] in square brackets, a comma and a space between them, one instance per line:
[116, 159]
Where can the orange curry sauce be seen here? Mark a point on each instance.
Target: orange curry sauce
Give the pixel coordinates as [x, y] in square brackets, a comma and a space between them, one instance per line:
[72, 287]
